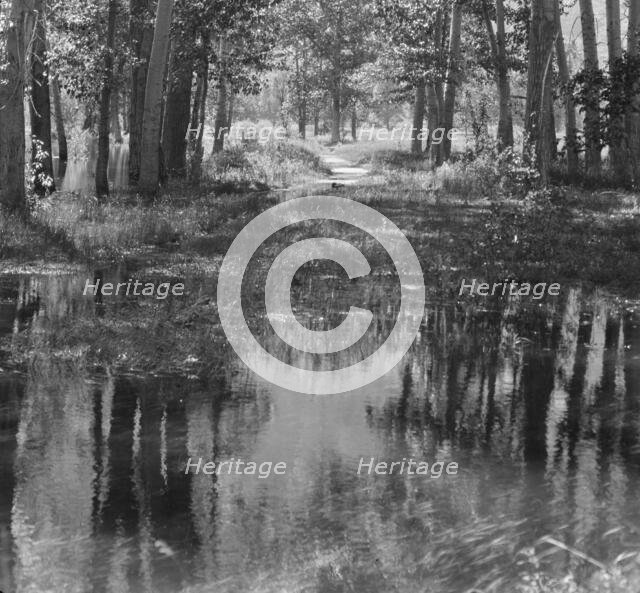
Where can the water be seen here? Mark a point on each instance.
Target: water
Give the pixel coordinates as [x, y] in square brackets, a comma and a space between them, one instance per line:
[539, 404]
[80, 174]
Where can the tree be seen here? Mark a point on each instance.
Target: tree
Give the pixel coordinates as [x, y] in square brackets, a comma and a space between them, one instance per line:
[418, 118]
[497, 43]
[102, 162]
[40, 106]
[150, 165]
[63, 152]
[140, 39]
[616, 125]
[177, 109]
[569, 105]
[453, 74]
[17, 29]
[592, 108]
[339, 35]
[632, 119]
[537, 112]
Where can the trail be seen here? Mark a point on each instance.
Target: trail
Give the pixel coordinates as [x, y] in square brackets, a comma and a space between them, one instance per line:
[341, 172]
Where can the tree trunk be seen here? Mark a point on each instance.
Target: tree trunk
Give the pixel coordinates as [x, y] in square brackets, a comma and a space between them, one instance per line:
[12, 139]
[592, 109]
[632, 119]
[102, 163]
[152, 126]
[177, 112]
[40, 107]
[335, 113]
[418, 118]
[354, 123]
[195, 109]
[141, 39]
[541, 41]
[616, 125]
[437, 150]
[316, 122]
[63, 151]
[220, 125]
[232, 100]
[569, 106]
[551, 140]
[302, 119]
[453, 74]
[116, 130]
[433, 117]
[198, 153]
[501, 66]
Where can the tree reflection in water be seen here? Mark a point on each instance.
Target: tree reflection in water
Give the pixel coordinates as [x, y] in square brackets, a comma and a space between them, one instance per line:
[539, 405]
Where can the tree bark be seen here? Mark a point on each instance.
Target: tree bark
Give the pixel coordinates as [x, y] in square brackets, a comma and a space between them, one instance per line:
[570, 139]
[541, 42]
[336, 113]
[177, 112]
[102, 163]
[198, 153]
[63, 151]
[632, 119]
[12, 121]
[354, 123]
[40, 107]
[152, 126]
[232, 100]
[592, 110]
[302, 119]
[501, 66]
[116, 129]
[453, 74]
[616, 125]
[433, 117]
[418, 118]
[437, 150]
[141, 39]
[195, 109]
[220, 123]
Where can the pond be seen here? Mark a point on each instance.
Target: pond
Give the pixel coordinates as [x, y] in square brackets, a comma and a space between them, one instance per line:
[538, 402]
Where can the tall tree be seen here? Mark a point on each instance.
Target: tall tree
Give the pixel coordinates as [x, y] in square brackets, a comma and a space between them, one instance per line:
[418, 118]
[152, 126]
[220, 125]
[569, 105]
[63, 151]
[17, 29]
[102, 163]
[633, 110]
[40, 106]
[453, 74]
[177, 109]
[537, 112]
[616, 125]
[592, 107]
[497, 42]
[141, 39]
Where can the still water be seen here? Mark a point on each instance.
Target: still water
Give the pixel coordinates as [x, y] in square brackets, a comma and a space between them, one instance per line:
[538, 403]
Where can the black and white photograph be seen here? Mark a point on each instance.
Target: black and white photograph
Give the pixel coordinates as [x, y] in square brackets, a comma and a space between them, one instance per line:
[319, 296]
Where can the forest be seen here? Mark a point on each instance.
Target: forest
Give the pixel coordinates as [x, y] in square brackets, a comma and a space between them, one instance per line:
[494, 144]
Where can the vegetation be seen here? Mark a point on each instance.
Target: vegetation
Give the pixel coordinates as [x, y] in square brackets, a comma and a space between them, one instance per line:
[220, 109]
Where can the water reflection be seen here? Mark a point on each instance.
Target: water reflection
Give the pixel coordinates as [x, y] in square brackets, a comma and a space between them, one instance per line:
[539, 405]
[80, 172]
